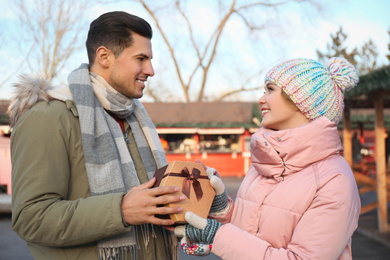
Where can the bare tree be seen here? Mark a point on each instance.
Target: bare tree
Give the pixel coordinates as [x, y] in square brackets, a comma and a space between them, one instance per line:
[365, 58]
[368, 58]
[205, 51]
[388, 46]
[338, 48]
[8, 76]
[53, 28]
[16, 70]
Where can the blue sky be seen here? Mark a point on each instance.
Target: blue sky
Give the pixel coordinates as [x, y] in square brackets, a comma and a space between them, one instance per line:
[299, 37]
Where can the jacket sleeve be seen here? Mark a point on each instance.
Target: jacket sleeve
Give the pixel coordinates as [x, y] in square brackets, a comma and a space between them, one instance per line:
[42, 213]
[323, 232]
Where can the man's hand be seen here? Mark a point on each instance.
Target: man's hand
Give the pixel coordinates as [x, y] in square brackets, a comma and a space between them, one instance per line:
[139, 205]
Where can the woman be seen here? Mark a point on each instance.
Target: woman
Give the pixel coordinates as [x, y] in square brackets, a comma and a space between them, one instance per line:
[299, 199]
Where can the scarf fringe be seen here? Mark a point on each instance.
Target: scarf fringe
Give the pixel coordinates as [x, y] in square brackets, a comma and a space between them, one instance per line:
[148, 232]
[146, 229]
[171, 245]
[117, 253]
[170, 240]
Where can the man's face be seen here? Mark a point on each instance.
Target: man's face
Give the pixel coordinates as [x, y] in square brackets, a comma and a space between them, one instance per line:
[130, 70]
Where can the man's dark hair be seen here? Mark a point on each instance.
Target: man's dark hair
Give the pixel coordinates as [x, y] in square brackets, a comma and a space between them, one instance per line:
[114, 31]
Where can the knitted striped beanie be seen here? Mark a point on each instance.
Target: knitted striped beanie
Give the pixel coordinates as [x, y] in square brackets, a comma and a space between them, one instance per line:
[315, 89]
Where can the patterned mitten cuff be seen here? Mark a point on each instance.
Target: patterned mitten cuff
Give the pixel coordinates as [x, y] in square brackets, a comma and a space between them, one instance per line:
[192, 248]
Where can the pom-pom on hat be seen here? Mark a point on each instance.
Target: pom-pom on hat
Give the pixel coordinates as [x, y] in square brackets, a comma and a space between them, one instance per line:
[315, 89]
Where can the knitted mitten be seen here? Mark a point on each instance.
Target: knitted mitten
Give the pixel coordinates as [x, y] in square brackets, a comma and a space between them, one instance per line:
[197, 235]
[221, 202]
[199, 229]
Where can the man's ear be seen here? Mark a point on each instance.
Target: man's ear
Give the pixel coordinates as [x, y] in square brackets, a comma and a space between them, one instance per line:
[103, 56]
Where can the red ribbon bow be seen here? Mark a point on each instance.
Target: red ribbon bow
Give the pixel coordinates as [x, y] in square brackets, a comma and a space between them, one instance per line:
[192, 178]
[188, 179]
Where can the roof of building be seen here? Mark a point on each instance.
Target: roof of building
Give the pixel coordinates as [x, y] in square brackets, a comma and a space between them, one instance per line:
[363, 95]
[376, 80]
[207, 114]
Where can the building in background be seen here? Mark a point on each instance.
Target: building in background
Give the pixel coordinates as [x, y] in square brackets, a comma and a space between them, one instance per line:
[217, 133]
[4, 122]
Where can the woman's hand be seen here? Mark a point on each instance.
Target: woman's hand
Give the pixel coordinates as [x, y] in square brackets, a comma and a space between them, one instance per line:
[198, 229]
[197, 235]
[221, 202]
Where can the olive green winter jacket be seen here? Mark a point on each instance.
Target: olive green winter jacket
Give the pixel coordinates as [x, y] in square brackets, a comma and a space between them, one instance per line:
[52, 209]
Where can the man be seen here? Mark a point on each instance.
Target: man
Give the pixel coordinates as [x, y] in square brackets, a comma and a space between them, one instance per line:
[84, 155]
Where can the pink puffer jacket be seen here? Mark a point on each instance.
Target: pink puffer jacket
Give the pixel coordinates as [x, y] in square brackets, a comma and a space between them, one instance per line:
[299, 199]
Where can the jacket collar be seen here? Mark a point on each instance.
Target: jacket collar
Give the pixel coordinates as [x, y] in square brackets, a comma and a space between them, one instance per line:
[279, 153]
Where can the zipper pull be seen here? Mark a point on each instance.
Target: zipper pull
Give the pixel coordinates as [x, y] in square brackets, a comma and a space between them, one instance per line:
[126, 138]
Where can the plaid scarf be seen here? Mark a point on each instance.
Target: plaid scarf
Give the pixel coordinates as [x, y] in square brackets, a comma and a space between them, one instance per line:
[109, 166]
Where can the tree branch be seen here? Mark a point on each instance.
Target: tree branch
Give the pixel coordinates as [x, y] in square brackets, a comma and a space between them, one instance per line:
[235, 91]
[18, 68]
[171, 51]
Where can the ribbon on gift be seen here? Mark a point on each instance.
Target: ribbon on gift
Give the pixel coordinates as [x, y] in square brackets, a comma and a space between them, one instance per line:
[188, 179]
[192, 178]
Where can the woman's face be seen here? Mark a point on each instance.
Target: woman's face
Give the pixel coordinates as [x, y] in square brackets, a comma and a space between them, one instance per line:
[277, 112]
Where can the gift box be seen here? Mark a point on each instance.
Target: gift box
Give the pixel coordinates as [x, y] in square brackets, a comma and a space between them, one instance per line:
[193, 182]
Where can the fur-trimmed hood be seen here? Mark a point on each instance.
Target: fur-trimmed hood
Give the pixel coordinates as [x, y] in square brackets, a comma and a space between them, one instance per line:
[27, 93]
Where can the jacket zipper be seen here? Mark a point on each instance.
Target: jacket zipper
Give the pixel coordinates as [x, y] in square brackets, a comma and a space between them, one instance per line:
[126, 136]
